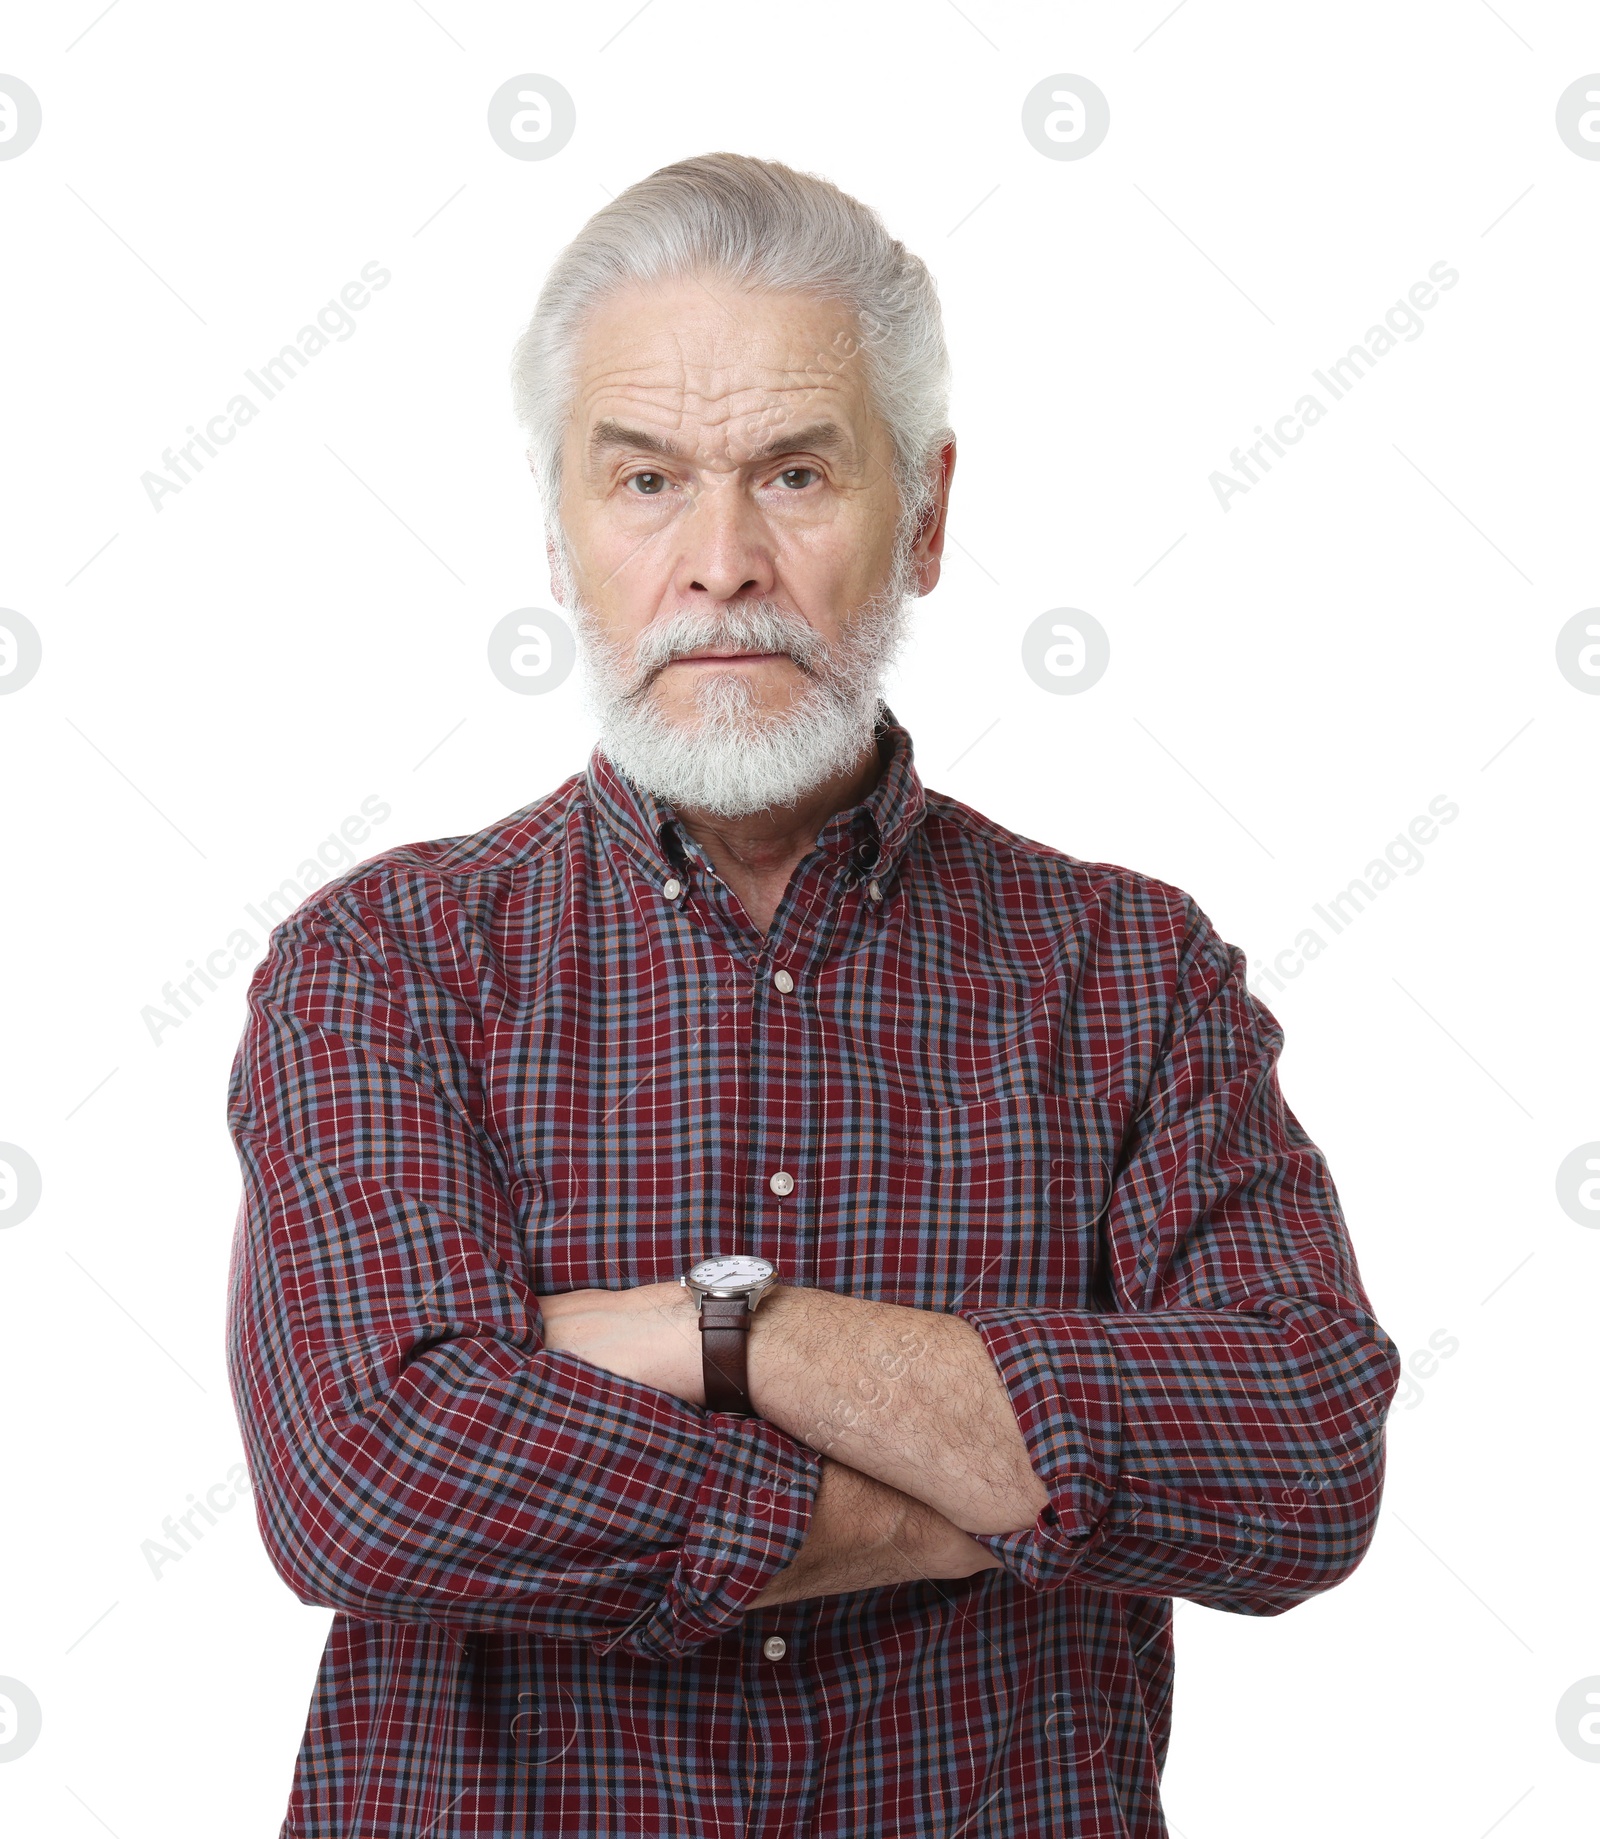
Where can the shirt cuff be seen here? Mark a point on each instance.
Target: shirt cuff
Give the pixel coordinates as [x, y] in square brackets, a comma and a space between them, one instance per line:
[1061, 1374]
[749, 1518]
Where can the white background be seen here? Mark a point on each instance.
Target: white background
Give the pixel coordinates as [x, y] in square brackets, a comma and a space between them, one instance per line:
[1369, 627]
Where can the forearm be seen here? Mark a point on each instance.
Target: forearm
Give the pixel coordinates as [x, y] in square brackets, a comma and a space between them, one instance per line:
[909, 1397]
[864, 1534]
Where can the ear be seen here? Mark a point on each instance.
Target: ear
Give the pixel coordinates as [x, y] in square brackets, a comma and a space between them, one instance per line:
[929, 546]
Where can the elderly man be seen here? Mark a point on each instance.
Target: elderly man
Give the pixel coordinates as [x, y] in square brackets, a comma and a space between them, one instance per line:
[758, 1285]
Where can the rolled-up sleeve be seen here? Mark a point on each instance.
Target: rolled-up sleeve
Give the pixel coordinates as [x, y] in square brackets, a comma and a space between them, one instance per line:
[416, 1453]
[1217, 1432]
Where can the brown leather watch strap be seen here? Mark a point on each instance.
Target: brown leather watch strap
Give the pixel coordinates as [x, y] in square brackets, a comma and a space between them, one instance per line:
[725, 1352]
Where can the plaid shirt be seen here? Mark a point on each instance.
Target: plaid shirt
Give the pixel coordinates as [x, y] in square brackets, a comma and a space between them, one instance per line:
[1009, 1084]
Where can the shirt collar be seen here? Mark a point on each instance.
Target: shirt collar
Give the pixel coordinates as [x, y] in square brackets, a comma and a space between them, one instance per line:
[876, 831]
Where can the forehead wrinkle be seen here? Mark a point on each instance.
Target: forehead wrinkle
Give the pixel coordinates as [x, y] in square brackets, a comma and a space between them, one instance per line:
[710, 379]
[667, 390]
[721, 429]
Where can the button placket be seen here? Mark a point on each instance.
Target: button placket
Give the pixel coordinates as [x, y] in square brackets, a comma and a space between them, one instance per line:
[781, 1141]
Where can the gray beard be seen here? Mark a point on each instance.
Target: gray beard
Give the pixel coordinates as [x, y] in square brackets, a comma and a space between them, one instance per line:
[735, 757]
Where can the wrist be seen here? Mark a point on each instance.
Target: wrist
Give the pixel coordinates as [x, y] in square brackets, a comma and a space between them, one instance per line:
[726, 1290]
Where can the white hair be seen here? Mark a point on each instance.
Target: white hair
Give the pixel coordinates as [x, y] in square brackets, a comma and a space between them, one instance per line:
[762, 225]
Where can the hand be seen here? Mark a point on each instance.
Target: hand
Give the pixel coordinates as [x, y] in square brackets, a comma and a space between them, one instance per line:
[865, 1535]
[649, 1333]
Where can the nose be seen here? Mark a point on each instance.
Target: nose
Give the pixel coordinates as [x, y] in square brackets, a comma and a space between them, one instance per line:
[726, 552]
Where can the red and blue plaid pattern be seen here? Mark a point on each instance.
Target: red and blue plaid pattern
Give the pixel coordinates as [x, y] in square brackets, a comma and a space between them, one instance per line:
[1007, 1083]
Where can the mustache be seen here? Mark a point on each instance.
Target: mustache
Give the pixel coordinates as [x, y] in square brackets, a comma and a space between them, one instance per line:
[626, 673]
[762, 627]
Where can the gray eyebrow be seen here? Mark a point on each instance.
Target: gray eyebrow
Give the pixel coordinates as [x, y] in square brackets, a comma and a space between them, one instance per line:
[818, 437]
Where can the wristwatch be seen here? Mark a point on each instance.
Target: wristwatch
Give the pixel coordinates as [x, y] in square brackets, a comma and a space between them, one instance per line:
[726, 1290]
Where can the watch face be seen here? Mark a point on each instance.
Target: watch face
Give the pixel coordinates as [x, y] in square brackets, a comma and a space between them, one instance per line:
[738, 1272]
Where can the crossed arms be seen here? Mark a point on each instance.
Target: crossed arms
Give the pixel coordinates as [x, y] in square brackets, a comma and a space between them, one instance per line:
[424, 1445]
[920, 1444]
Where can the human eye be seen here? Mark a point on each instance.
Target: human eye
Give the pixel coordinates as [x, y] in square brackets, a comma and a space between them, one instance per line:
[655, 487]
[789, 472]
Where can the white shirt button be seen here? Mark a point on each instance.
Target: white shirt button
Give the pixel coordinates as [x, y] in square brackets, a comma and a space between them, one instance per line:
[874, 890]
[782, 1182]
[672, 889]
[774, 1647]
[783, 981]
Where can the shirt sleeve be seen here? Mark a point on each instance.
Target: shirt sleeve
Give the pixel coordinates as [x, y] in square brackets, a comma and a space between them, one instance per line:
[415, 1451]
[1216, 1432]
